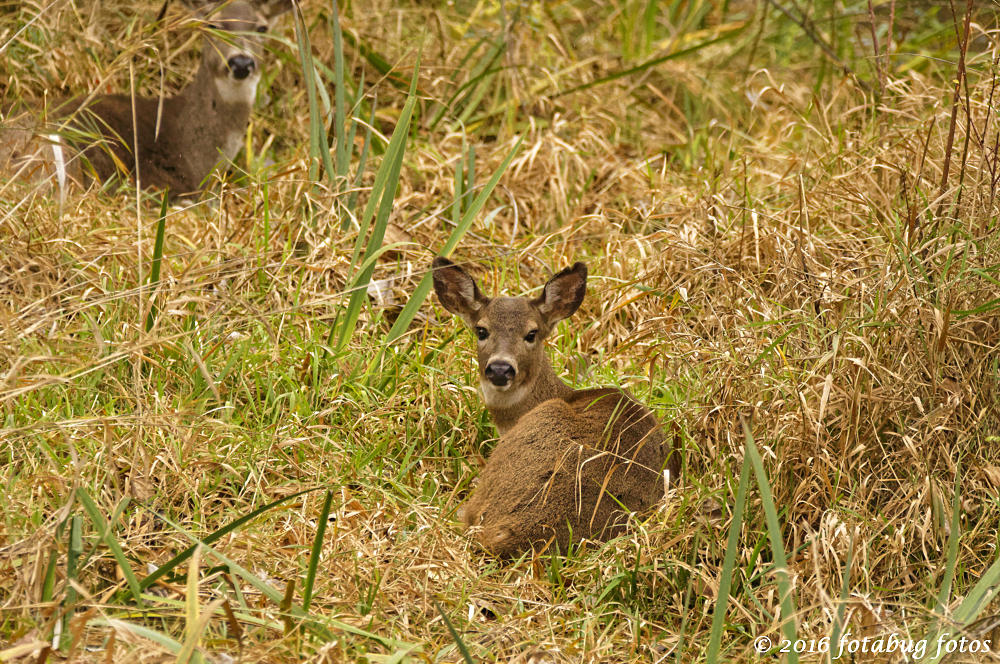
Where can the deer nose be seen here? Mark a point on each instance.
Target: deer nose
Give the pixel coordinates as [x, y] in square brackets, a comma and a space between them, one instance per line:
[500, 373]
[241, 66]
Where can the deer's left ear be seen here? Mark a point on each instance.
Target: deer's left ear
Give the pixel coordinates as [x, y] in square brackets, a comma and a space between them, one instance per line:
[562, 294]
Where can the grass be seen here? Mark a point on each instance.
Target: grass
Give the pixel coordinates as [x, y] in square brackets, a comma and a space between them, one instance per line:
[230, 433]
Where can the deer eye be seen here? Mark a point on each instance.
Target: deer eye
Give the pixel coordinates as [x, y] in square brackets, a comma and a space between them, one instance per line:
[530, 336]
[262, 28]
[482, 333]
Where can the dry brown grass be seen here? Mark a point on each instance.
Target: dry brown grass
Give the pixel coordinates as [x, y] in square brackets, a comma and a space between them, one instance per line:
[765, 244]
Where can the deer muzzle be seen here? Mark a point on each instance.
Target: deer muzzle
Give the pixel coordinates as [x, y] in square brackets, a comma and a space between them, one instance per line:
[241, 66]
[500, 373]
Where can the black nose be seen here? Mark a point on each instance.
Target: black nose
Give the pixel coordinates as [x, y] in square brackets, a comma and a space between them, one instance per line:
[500, 373]
[241, 66]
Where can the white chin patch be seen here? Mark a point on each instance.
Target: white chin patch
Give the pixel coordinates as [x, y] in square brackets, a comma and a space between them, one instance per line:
[500, 396]
[236, 91]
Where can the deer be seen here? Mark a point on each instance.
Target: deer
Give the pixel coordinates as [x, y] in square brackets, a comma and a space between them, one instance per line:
[570, 464]
[171, 143]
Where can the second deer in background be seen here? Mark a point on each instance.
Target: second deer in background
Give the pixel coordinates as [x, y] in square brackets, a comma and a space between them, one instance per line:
[172, 143]
[570, 464]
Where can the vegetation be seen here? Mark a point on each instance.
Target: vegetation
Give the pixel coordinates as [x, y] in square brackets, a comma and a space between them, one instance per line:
[789, 211]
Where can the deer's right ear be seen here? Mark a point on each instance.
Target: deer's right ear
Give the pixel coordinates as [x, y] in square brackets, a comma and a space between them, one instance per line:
[457, 291]
[203, 6]
[272, 9]
[202, 9]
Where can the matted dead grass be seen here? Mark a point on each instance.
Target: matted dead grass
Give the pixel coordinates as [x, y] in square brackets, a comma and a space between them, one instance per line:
[762, 245]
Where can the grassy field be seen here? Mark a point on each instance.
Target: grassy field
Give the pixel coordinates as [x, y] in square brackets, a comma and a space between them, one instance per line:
[789, 212]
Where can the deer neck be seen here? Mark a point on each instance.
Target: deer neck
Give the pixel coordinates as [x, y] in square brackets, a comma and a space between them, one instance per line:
[523, 399]
[209, 118]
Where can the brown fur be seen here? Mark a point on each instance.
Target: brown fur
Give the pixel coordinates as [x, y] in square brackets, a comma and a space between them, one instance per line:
[181, 139]
[570, 464]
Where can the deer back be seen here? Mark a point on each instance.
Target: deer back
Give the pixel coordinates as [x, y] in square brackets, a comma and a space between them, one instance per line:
[569, 469]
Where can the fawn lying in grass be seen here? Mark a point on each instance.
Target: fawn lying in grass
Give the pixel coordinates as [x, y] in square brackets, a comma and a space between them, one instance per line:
[570, 464]
[173, 143]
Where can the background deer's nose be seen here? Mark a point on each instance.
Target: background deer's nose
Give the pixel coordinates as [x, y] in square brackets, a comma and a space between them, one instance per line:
[500, 373]
[241, 66]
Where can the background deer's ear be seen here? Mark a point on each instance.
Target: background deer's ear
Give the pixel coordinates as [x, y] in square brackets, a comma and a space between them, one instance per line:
[201, 9]
[457, 291]
[272, 9]
[562, 294]
[199, 6]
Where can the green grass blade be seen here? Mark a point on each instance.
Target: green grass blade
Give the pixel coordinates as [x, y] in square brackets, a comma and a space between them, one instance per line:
[462, 648]
[49, 584]
[728, 564]
[156, 637]
[379, 186]
[952, 557]
[984, 591]
[318, 150]
[968, 611]
[339, 104]
[470, 175]
[479, 83]
[465, 181]
[380, 63]
[362, 162]
[977, 599]
[189, 649]
[104, 534]
[191, 607]
[777, 543]
[347, 212]
[352, 131]
[774, 344]
[316, 551]
[154, 273]
[196, 620]
[475, 99]
[264, 249]
[442, 108]
[838, 623]
[456, 207]
[399, 656]
[72, 573]
[682, 633]
[305, 58]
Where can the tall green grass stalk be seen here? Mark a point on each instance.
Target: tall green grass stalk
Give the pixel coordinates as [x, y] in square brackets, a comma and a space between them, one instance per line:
[383, 196]
[845, 591]
[975, 601]
[774, 535]
[154, 272]
[318, 152]
[728, 565]
[73, 555]
[105, 535]
[316, 551]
